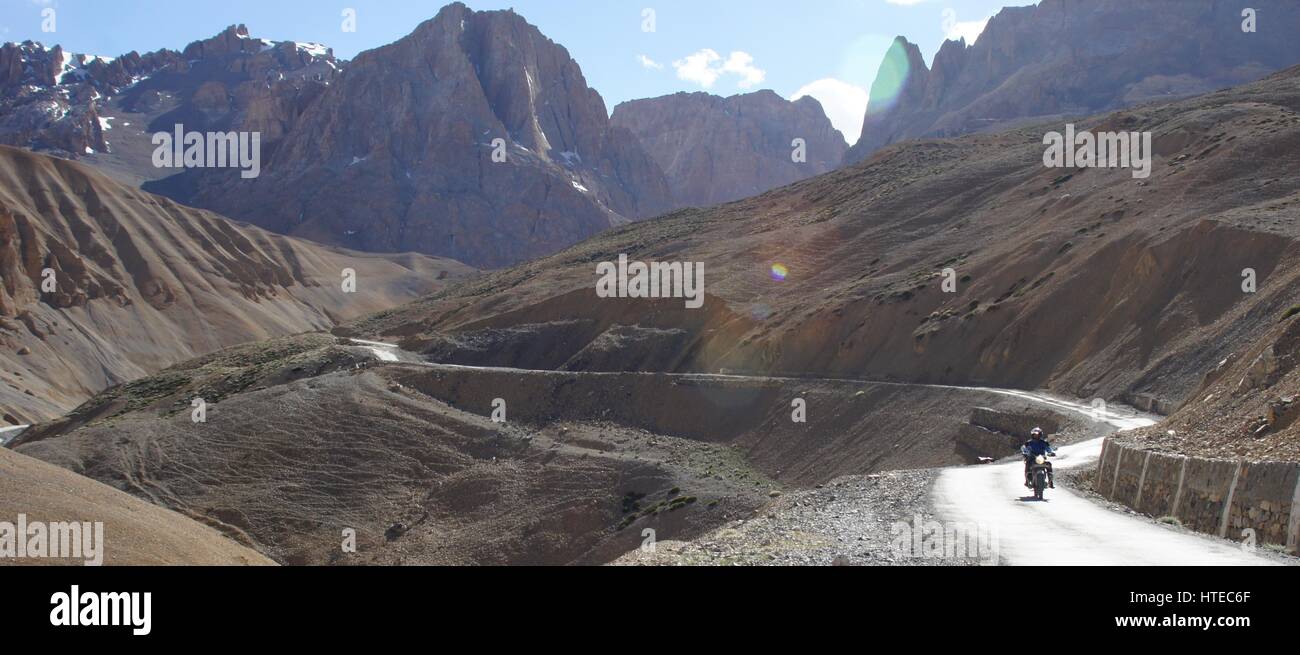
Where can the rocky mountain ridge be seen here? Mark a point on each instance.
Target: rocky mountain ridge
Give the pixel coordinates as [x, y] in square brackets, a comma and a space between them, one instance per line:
[1063, 58]
[92, 107]
[717, 150]
[398, 150]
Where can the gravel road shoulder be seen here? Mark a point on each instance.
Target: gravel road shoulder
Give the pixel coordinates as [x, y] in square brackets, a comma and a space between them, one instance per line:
[851, 521]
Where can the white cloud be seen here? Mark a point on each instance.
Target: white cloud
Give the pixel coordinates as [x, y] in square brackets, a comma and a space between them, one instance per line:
[970, 30]
[706, 67]
[742, 64]
[649, 63]
[845, 104]
[905, 3]
[699, 68]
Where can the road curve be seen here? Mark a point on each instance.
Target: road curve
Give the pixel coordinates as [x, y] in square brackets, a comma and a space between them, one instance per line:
[1066, 528]
[385, 352]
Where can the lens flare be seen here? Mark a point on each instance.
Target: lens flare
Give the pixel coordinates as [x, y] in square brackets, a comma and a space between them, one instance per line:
[779, 272]
[891, 79]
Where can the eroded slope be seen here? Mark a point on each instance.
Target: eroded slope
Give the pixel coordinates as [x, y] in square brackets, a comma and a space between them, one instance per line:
[101, 283]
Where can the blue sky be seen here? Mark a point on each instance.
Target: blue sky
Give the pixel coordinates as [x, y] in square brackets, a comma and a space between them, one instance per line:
[829, 49]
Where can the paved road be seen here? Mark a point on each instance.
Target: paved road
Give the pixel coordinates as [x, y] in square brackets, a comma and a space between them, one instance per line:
[1068, 529]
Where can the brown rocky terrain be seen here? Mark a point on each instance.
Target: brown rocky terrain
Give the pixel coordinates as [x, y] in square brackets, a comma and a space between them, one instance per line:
[1247, 405]
[397, 154]
[1063, 58]
[322, 441]
[717, 150]
[136, 282]
[136, 533]
[1085, 281]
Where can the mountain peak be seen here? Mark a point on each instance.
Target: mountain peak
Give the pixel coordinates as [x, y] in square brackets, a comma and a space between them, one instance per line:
[482, 120]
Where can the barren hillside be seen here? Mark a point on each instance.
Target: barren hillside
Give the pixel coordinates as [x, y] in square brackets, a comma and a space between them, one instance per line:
[138, 282]
[136, 533]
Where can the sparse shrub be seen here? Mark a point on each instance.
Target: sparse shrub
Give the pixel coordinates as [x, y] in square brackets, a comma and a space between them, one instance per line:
[632, 502]
[680, 502]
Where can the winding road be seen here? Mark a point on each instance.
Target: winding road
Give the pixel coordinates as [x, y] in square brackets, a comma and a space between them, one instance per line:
[1065, 529]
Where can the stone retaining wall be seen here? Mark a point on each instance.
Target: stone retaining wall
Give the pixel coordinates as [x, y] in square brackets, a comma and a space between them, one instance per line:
[1213, 496]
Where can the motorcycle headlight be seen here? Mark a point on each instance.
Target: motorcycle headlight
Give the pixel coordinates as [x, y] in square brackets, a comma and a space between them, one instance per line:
[1040, 460]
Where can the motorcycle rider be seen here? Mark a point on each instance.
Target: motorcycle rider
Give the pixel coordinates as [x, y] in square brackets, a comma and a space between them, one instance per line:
[1031, 449]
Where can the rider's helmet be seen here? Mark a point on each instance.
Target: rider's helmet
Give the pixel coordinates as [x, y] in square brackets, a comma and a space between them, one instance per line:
[1037, 433]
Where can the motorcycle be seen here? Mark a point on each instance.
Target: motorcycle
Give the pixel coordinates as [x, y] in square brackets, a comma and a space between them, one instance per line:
[1038, 475]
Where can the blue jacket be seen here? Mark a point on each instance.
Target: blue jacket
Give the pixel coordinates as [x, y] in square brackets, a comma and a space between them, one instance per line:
[1039, 447]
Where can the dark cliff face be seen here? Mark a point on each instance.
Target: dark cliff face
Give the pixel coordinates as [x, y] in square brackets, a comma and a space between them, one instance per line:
[397, 155]
[716, 149]
[1073, 58]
